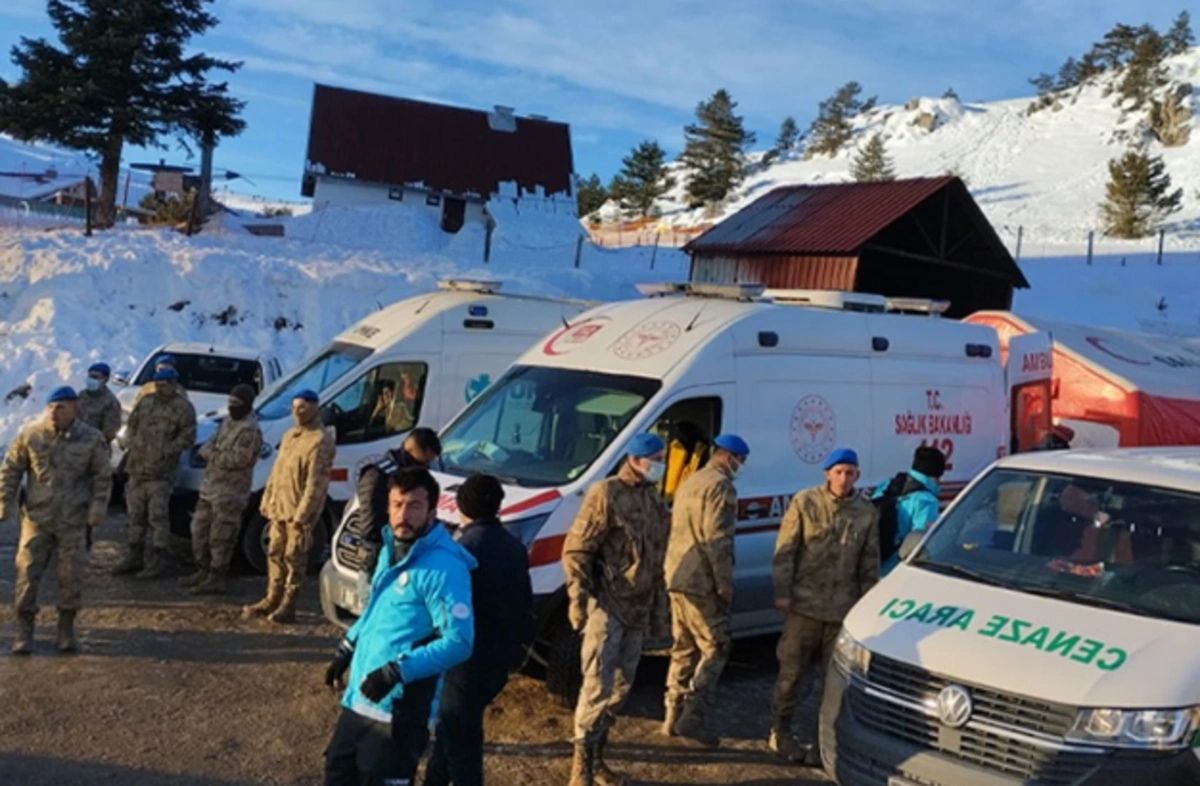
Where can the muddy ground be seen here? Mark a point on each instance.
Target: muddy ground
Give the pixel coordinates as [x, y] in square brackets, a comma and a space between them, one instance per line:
[169, 690]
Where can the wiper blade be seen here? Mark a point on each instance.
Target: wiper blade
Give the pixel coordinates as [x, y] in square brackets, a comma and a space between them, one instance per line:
[960, 572]
[1080, 597]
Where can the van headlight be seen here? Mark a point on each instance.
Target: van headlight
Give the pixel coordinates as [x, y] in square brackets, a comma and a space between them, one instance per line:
[849, 657]
[1146, 729]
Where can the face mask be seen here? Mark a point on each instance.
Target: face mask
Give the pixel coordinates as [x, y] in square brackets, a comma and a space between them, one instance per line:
[737, 470]
[239, 410]
[92, 384]
[655, 472]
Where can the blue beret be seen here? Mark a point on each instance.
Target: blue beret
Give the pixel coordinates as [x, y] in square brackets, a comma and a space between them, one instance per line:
[732, 443]
[645, 445]
[64, 393]
[164, 360]
[166, 374]
[841, 456]
[306, 395]
[100, 368]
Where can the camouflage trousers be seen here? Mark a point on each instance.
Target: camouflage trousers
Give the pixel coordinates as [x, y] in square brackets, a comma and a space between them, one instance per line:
[805, 643]
[149, 505]
[36, 547]
[702, 639]
[609, 661]
[287, 552]
[215, 526]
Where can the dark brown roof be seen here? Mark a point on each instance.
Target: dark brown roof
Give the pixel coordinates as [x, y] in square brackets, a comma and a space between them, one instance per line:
[836, 218]
[396, 141]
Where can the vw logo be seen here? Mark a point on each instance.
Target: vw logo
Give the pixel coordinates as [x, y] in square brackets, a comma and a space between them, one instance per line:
[954, 706]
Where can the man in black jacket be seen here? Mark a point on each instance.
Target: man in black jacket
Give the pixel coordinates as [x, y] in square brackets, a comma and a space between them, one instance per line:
[504, 627]
[420, 449]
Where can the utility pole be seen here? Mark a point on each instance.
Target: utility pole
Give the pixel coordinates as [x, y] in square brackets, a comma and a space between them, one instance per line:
[206, 163]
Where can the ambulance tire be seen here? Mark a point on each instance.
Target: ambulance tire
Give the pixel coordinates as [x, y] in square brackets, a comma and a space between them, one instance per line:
[254, 539]
[563, 675]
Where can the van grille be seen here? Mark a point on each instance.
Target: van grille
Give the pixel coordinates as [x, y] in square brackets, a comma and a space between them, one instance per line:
[975, 744]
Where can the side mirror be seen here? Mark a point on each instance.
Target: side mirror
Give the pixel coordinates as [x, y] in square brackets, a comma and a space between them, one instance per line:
[121, 378]
[910, 543]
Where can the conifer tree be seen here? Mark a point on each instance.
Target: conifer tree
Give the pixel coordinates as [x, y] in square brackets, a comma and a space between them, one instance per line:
[789, 135]
[950, 94]
[832, 130]
[1145, 71]
[1138, 196]
[590, 195]
[642, 180]
[872, 164]
[1180, 37]
[124, 73]
[715, 150]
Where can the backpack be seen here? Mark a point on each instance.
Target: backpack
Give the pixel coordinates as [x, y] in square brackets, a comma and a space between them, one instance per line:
[899, 486]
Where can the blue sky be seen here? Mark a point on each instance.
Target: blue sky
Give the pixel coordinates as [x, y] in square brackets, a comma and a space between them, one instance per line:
[619, 71]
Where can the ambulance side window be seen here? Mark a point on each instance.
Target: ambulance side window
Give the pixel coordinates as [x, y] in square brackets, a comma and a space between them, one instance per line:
[383, 402]
[688, 427]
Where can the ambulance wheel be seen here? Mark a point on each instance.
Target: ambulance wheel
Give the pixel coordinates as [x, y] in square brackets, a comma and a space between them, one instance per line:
[255, 540]
[563, 675]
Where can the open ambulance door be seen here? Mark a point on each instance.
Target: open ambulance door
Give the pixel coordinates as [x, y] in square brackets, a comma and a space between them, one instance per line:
[1028, 375]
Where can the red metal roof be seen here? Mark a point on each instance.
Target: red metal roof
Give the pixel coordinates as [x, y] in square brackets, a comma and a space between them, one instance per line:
[397, 141]
[836, 218]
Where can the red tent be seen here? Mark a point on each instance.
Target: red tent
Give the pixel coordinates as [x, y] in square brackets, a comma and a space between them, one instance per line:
[1114, 388]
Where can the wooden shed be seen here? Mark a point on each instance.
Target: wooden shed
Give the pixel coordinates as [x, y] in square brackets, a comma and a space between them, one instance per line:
[923, 238]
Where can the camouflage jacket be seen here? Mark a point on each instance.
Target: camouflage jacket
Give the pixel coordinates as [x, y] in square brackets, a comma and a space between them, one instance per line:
[615, 549]
[827, 553]
[68, 476]
[300, 478]
[703, 522]
[230, 455]
[158, 432]
[150, 388]
[102, 411]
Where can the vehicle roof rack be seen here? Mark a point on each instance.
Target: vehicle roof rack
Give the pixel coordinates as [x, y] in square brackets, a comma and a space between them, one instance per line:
[830, 298]
[918, 305]
[744, 292]
[486, 285]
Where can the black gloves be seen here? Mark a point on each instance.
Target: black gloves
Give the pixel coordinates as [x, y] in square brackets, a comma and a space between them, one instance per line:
[335, 675]
[380, 682]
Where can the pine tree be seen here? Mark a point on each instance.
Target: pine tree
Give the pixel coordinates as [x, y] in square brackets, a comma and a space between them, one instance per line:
[1045, 84]
[1170, 120]
[950, 94]
[1068, 74]
[590, 195]
[1139, 196]
[1180, 37]
[125, 74]
[872, 164]
[1117, 47]
[642, 180]
[1145, 72]
[789, 135]
[832, 130]
[715, 150]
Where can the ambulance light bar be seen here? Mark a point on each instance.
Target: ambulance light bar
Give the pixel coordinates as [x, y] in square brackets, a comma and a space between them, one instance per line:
[488, 286]
[719, 291]
[917, 305]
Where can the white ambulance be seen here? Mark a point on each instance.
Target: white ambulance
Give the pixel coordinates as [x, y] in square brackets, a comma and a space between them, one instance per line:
[1045, 631]
[796, 373]
[414, 363]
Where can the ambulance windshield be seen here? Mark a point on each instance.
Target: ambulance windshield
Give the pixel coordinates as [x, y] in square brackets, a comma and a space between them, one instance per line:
[540, 427]
[1094, 541]
[319, 373]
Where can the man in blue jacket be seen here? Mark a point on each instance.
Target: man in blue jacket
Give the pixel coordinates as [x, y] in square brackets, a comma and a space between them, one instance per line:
[418, 624]
[915, 497]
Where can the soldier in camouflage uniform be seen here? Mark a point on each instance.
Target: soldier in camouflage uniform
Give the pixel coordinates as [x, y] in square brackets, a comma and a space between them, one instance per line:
[160, 428]
[160, 362]
[826, 558]
[291, 503]
[613, 558]
[699, 572]
[230, 456]
[64, 463]
[98, 407]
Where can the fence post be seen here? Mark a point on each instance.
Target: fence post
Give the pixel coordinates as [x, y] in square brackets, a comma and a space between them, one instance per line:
[1161, 234]
[578, 249]
[1091, 235]
[1020, 233]
[654, 251]
[487, 242]
[87, 206]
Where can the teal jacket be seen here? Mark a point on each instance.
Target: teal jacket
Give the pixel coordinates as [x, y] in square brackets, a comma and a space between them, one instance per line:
[915, 511]
[419, 614]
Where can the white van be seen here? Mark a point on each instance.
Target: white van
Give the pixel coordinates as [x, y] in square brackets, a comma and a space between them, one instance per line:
[796, 373]
[414, 363]
[1045, 631]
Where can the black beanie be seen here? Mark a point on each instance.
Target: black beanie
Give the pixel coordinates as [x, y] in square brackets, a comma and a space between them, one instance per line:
[479, 497]
[244, 394]
[929, 461]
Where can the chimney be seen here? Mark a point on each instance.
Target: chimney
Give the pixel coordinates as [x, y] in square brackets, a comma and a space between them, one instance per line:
[502, 119]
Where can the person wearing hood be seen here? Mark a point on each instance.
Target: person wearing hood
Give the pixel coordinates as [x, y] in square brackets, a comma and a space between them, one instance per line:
[292, 501]
[230, 456]
[160, 428]
[98, 406]
[418, 624]
[502, 596]
[613, 557]
[64, 465]
[908, 503]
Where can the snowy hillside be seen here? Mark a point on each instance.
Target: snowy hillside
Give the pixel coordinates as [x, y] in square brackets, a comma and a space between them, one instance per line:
[1044, 171]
